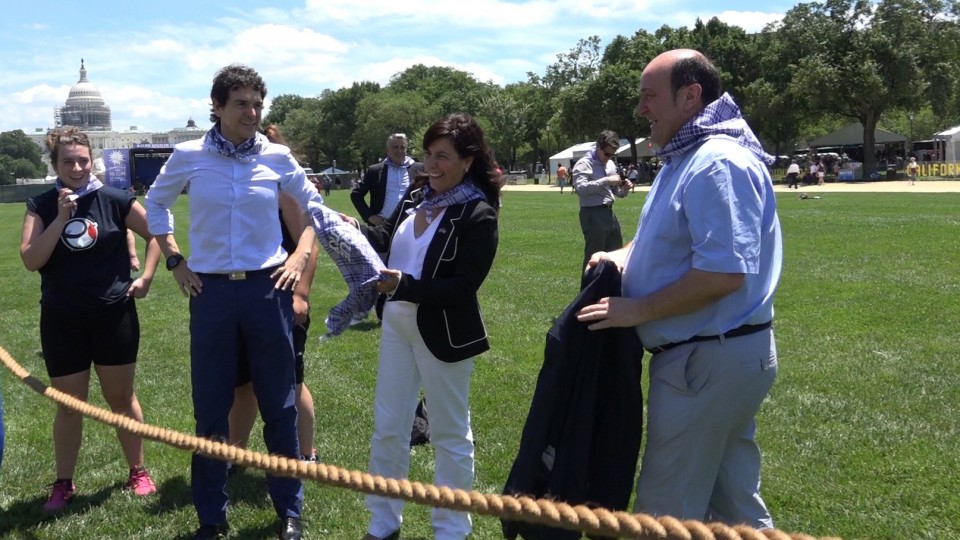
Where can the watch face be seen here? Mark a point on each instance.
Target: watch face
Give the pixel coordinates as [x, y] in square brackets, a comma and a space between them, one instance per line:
[173, 261]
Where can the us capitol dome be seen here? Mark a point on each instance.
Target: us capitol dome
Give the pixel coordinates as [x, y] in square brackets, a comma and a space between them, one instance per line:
[85, 107]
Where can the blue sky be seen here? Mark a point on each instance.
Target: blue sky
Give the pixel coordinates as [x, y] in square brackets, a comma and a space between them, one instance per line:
[153, 61]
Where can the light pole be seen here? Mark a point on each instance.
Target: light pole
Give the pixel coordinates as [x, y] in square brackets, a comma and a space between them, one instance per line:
[911, 116]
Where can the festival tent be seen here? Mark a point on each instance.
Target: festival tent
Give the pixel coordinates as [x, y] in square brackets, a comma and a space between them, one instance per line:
[852, 135]
[569, 156]
[332, 170]
[644, 149]
[951, 143]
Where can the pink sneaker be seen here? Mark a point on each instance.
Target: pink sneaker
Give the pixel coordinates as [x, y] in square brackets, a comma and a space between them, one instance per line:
[61, 494]
[140, 482]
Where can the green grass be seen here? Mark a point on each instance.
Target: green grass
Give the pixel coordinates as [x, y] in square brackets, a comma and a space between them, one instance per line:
[860, 433]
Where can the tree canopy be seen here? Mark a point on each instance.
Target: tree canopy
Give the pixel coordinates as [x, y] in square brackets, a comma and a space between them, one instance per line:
[888, 64]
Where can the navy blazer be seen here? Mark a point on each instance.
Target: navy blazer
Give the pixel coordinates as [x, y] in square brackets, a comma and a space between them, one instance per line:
[375, 182]
[581, 441]
[457, 261]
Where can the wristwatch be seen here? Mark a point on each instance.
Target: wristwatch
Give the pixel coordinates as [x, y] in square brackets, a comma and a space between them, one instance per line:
[174, 260]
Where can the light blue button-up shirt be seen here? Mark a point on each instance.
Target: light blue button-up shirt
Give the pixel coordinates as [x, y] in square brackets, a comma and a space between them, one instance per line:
[712, 209]
[234, 207]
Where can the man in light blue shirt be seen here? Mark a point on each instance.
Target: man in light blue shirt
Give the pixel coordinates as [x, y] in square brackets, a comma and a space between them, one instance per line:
[698, 284]
[239, 281]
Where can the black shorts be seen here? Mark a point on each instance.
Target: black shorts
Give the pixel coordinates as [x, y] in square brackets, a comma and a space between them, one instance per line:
[299, 346]
[72, 340]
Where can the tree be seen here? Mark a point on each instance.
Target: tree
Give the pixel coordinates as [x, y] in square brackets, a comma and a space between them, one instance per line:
[384, 113]
[576, 66]
[281, 106]
[854, 59]
[507, 124]
[303, 130]
[446, 90]
[339, 112]
[22, 158]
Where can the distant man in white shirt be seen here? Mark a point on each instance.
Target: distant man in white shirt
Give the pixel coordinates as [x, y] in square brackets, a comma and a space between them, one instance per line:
[793, 175]
[386, 182]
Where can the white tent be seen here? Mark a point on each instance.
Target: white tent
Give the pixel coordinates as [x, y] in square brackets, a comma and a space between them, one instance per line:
[331, 170]
[644, 149]
[569, 156]
[951, 143]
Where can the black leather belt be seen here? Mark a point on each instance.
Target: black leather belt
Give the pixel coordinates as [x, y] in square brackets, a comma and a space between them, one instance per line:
[744, 330]
[240, 274]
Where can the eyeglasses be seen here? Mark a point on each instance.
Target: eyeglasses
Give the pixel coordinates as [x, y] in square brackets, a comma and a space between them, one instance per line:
[608, 154]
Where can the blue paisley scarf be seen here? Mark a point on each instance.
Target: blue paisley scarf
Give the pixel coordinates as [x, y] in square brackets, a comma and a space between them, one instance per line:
[463, 192]
[215, 142]
[721, 118]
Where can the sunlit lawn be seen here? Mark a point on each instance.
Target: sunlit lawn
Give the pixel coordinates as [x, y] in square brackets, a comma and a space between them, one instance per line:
[860, 433]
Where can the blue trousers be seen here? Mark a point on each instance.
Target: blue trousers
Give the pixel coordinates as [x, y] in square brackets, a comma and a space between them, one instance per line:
[226, 314]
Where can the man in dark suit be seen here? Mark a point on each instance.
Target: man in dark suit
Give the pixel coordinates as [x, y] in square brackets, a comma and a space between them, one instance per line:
[386, 182]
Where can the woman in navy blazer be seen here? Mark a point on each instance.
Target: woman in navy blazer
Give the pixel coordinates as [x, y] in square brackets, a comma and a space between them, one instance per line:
[441, 242]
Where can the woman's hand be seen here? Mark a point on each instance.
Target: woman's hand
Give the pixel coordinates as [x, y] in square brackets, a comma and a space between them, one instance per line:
[66, 203]
[347, 219]
[139, 288]
[389, 280]
[288, 275]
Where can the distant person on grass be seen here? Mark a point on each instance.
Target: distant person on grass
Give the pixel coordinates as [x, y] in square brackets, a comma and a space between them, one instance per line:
[244, 411]
[793, 176]
[75, 235]
[598, 184]
[912, 170]
[561, 176]
[698, 284]
[385, 182]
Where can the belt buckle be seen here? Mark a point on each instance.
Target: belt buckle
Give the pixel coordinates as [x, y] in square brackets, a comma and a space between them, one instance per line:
[234, 276]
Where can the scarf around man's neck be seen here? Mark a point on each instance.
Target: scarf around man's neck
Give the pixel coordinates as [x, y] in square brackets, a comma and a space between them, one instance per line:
[720, 119]
[215, 142]
[461, 193]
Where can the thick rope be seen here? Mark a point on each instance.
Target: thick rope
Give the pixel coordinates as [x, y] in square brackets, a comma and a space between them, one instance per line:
[593, 521]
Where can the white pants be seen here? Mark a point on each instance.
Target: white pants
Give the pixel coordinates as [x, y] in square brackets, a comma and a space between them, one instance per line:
[406, 364]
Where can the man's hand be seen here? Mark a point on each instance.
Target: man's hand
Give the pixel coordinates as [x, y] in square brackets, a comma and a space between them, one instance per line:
[611, 312]
[190, 284]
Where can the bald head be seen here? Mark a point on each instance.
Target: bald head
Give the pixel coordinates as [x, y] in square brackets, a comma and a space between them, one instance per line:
[674, 87]
[687, 67]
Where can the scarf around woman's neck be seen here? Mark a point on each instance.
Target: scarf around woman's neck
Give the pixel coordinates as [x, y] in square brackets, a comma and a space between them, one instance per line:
[215, 142]
[719, 119]
[463, 192]
[92, 185]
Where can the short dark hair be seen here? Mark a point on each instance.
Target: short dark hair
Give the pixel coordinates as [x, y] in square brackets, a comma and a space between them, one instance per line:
[230, 78]
[468, 140]
[608, 138]
[65, 135]
[696, 69]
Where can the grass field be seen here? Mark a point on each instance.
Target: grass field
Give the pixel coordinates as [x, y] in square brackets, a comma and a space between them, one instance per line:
[861, 433]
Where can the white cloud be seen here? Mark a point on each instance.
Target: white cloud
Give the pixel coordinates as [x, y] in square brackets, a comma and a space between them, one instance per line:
[751, 21]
